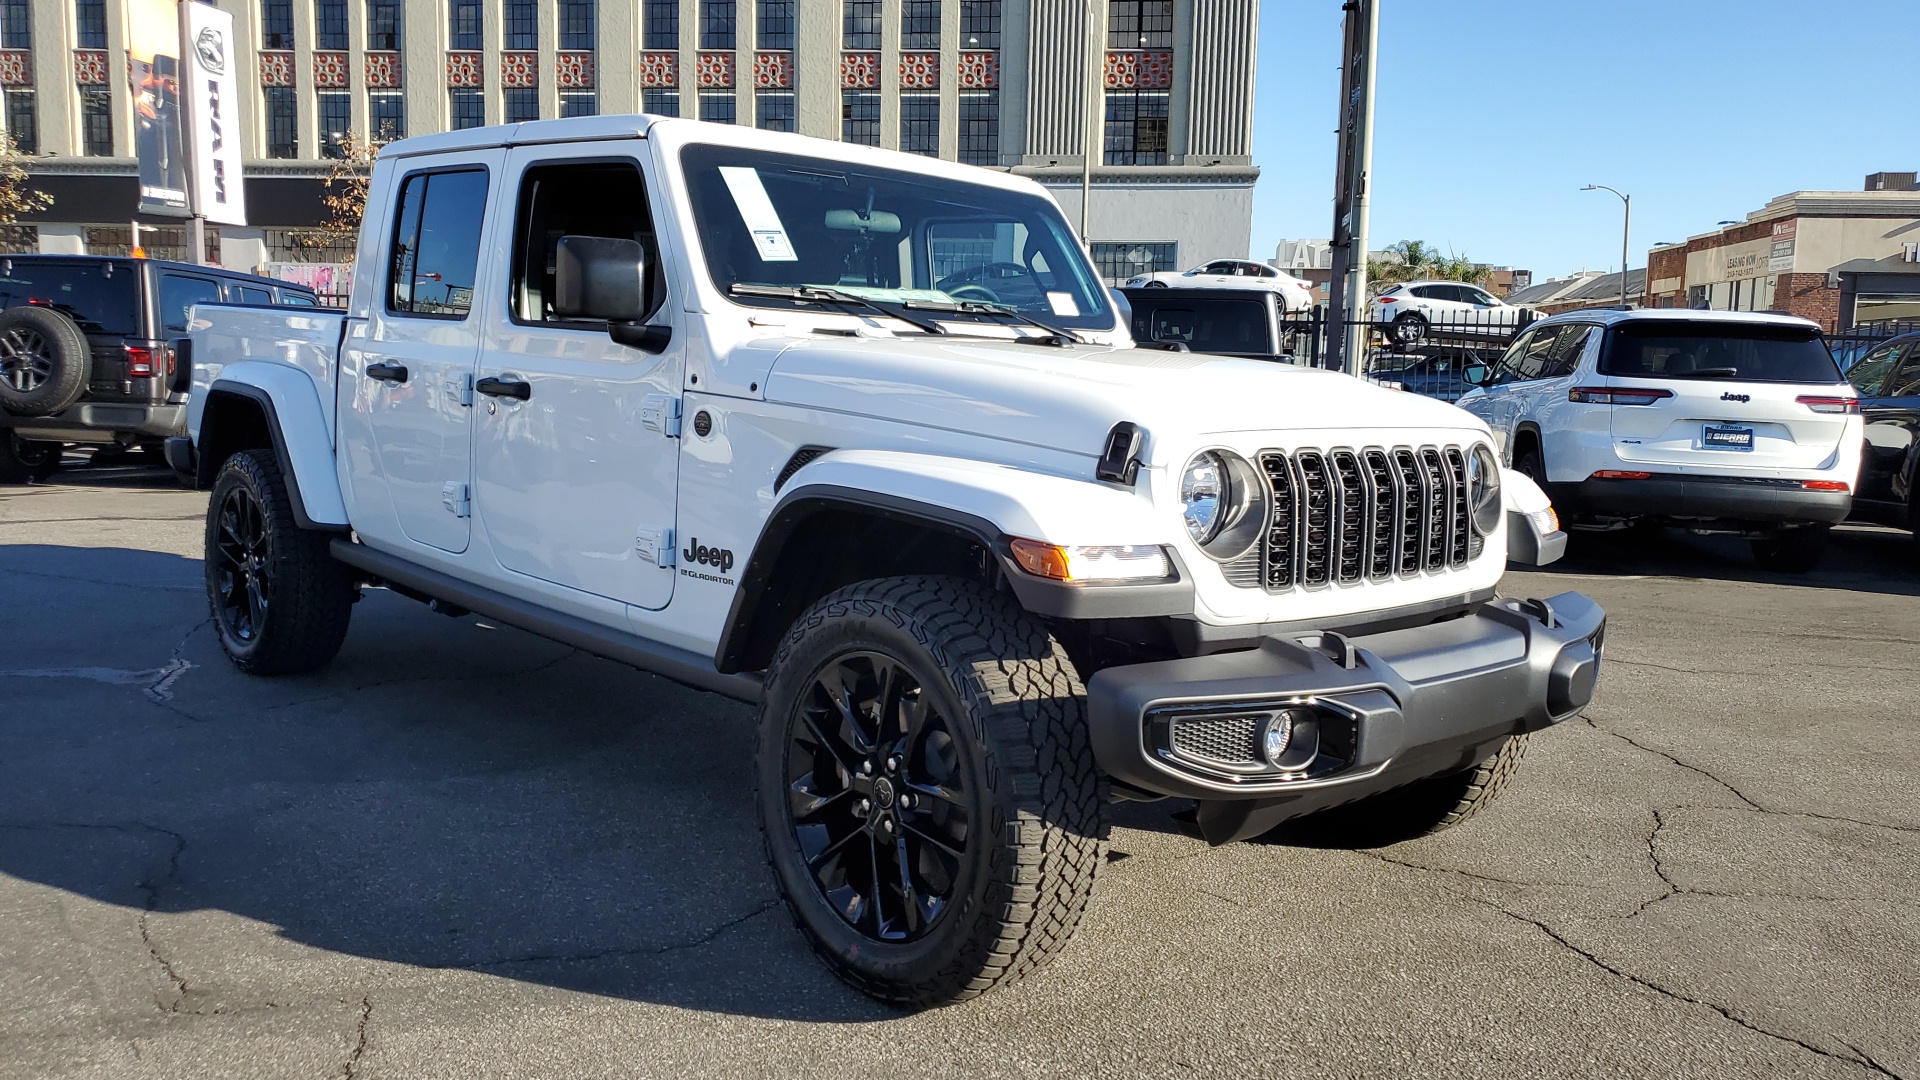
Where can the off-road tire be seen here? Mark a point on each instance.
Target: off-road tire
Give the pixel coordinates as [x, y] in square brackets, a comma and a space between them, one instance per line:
[1421, 808]
[45, 361]
[1038, 814]
[1409, 329]
[1792, 551]
[24, 461]
[311, 596]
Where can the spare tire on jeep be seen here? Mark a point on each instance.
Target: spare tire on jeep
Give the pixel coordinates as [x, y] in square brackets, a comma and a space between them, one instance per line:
[44, 361]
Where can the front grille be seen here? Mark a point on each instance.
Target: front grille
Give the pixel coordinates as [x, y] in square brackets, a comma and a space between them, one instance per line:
[1233, 740]
[1345, 516]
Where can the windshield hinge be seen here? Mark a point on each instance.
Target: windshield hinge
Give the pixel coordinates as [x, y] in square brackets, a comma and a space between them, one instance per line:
[661, 413]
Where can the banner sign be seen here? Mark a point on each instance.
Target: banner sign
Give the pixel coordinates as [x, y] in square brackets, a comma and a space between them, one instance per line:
[153, 76]
[212, 98]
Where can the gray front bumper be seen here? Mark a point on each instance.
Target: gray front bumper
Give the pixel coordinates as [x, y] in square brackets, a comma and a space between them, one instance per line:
[1397, 706]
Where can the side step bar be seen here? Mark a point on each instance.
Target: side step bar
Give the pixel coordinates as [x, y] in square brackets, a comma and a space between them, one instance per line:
[680, 665]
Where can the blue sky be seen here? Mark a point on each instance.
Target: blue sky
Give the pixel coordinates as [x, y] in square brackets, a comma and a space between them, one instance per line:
[1491, 114]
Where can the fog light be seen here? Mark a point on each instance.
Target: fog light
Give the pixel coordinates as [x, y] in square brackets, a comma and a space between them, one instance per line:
[1277, 737]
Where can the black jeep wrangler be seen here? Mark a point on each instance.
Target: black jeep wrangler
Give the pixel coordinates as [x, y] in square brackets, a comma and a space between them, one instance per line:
[84, 353]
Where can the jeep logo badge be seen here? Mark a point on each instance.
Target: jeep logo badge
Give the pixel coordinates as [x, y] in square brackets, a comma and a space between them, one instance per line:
[1730, 396]
[700, 553]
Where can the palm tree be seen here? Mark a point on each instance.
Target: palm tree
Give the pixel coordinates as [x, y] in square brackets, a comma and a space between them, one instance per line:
[1414, 260]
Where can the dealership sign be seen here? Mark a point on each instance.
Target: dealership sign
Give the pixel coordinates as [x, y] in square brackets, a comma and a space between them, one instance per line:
[213, 113]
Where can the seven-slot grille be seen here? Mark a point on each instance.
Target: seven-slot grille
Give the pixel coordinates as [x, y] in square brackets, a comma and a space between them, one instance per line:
[1346, 516]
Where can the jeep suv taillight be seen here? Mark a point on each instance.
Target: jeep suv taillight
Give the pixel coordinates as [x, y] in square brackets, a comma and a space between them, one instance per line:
[1617, 395]
[1821, 404]
[139, 362]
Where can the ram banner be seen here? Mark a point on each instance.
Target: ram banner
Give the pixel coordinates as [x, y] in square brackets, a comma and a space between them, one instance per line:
[153, 75]
[212, 97]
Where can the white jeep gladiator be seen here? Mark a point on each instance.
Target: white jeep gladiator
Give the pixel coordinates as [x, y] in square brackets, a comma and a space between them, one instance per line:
[858, 437]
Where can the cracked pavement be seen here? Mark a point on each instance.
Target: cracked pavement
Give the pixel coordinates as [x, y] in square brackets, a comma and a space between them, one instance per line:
[465, 851]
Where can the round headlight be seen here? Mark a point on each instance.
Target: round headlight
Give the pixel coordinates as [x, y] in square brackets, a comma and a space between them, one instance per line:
[1203, 496]
[1483, 490]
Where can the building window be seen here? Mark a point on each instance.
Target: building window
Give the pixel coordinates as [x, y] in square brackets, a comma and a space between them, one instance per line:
[663, 24]
[776, 23]
[283, 122]
[716, 106]
[16, 25]
[468, 108]
[860, 25]
[276, 23]
[523, 25]
[579, 103]
[336, 119]
[979, 24]
[920, 124]
[1118, 261]
[386, 116]
[1136, 127]
[774, 110]
[383, 25]
[660, 102]
[576, 24]
[463, 24]
[329, 24]
[23, 121]
[980, 127]
[90, 23]
[860, 117]
[716, 24]
[96, 121]
[920, 24]
[1139, 24]
[522, 105]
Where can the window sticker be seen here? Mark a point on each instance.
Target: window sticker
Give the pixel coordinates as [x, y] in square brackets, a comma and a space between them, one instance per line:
[762, 220]
[1062, 304]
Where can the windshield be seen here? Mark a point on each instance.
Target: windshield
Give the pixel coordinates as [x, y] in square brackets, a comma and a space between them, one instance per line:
[101, 297]
[1239, 327]
[1751, 353]
[784, 221]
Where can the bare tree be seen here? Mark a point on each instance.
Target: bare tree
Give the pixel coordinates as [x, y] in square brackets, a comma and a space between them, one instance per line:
[345, 197]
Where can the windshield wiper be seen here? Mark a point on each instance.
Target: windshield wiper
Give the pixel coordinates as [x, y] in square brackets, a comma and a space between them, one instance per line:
[1057, 335]
[1709, 373]
[813, 294]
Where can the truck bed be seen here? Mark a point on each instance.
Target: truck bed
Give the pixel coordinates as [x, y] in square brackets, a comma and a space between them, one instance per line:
[228, 334]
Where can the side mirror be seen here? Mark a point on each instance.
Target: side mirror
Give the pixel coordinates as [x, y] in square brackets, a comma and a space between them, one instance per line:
[596, 277]
[1474, 374]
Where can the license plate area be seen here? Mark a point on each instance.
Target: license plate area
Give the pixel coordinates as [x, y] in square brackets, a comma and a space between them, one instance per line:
[1726, 437]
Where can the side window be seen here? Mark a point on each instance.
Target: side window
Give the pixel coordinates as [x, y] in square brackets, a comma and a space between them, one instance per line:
[1530, 357]
[1475, 296]
[248, 294]
[178, 292]
[1906, 383]
[289, 298]
[605, 199]
[1503, 367]
[1567, 347]
[1429, 292]
[1870, 373]
[436, 244]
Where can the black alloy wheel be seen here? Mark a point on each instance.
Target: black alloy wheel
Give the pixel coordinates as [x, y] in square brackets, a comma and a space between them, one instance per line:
[1409, 329]
[27, 460]
[242, 576]
[26, 360]
[878, 802]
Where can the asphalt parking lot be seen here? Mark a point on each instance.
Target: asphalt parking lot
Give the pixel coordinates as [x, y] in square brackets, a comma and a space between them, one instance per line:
[464, 851]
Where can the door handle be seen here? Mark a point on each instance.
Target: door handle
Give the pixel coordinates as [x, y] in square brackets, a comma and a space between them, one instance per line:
[387, 372]
[498, 387]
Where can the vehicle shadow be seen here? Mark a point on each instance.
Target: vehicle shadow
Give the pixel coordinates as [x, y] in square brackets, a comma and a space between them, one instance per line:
[1859, 558]
[447, 795]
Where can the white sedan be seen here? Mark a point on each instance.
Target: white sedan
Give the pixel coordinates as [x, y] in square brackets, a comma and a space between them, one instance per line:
[1297, 295]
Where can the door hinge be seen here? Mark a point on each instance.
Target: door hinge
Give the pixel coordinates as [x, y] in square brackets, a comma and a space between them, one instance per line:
[460, 388]
[453, 496]
[661, 413]
[655, 546]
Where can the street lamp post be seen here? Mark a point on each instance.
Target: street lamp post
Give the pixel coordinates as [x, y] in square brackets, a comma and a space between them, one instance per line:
[1626, 224]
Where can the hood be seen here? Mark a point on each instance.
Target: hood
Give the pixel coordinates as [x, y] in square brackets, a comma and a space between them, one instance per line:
[1069, 398]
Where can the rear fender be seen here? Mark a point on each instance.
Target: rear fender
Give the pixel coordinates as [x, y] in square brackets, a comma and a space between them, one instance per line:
[296, 426]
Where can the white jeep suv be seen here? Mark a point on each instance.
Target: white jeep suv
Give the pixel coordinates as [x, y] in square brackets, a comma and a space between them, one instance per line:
[1411, 311]
[1716, 421]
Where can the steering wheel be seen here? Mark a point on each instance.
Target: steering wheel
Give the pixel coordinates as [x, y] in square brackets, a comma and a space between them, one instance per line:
[969, 284]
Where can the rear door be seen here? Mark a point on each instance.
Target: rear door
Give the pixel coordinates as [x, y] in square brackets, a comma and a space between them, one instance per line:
[1732, 395]
[1889, 388]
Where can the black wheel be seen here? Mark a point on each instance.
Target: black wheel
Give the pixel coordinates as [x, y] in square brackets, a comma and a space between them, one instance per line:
[1421, 808]
[44, 361]
[1530, 464]
[1154, 285]
[1409, 328]
[928, 796]
[1792, 551]
[280, 601]
[24, 461]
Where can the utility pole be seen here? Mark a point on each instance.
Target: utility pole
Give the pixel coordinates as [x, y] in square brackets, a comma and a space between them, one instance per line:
[1347, 289]
[1626, 227]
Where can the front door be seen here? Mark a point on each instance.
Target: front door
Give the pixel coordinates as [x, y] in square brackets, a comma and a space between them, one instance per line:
[576, 455]
[407, 427]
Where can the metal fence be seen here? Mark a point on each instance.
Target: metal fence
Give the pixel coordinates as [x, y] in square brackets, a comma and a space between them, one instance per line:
[1859, 339]
[1431, 358]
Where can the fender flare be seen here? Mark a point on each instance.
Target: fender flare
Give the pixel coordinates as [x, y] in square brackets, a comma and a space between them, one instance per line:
[987, 505]
[301, 439]
[1523, 427]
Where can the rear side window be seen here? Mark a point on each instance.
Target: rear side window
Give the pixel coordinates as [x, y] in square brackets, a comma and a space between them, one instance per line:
[1225, 326]
[297, 299]
[247, 294]
[436, 244]
[1751, 353]
[178, 293]
[101, 297]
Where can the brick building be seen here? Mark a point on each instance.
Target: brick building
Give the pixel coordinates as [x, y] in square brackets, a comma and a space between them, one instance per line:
[1841, 258]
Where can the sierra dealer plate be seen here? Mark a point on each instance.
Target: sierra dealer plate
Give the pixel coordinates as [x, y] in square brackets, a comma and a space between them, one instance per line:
[1726, 437]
